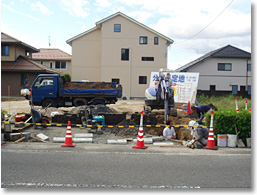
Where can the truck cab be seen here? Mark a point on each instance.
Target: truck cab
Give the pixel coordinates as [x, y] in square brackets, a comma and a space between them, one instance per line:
[45, 89]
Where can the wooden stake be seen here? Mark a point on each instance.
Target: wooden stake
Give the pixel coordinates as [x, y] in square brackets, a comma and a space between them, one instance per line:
[19, 140]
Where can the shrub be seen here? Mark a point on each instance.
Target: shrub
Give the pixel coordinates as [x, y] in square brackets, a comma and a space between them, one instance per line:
[67, 77]
[226, 122]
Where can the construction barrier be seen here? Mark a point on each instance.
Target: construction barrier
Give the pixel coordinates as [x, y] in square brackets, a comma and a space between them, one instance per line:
[90, 126]
[236, 105]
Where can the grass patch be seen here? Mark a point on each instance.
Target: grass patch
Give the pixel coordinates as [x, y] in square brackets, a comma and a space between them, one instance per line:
[224, 102]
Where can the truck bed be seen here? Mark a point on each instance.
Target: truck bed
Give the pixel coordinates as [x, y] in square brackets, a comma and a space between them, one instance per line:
[91, 92]
[90, 89]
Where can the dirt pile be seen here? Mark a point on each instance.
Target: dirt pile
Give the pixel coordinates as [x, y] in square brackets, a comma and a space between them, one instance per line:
[126, 131]
[87, 85]
[94, 109]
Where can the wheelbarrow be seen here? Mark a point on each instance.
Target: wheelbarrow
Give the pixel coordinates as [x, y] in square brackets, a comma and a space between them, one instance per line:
[38, 118]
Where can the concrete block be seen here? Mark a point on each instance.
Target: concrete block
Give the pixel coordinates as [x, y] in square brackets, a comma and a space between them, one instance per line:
[42, 137]
[7, 128]
[157, 138]
[240, 144]
[147, 140]
[75, 140]
[16, 136]
[163, 144]
[117, 141]
[84, 135]
[58, 139]
[82, 140]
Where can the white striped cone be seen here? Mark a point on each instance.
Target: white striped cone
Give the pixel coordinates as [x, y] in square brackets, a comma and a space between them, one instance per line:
[210, 142]
[68, 138]
[236, 105]
[140, 137]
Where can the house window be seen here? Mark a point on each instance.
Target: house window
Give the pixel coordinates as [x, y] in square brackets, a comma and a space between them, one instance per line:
[225, 66]
[24, 79]
[249, 67]
[234, 89]
[117, 81]
[41, 62]
[147, 58]
[124, 54]
[5, 50]
[142, 40]
[60, 65]
[27, 53]
[142, 79]
[51, 65]
[156, 40]
[117, 27]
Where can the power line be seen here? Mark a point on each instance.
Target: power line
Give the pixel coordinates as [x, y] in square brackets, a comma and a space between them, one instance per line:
[206, 25]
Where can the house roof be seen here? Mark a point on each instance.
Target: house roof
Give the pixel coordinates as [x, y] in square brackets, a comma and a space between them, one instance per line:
[51, 54]
[7, 39]
[25, 64]
[99, 24]
[224, 52]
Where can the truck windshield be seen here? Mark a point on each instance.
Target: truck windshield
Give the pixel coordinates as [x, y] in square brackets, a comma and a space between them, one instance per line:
[44, 81]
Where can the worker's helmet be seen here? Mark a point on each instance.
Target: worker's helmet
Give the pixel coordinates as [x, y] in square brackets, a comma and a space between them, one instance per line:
[192, 123]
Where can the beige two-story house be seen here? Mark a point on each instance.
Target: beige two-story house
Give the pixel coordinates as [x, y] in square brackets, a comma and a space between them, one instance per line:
[119, 49]
[54, 58]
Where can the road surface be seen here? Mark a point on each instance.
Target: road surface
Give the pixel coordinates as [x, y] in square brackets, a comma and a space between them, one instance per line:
[38, 165]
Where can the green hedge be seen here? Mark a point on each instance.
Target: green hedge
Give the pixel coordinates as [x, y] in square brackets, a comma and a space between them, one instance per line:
[224, 122]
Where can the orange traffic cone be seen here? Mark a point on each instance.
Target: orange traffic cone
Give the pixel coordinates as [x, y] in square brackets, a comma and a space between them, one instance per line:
[210, 142]
[140, 137]
[68, 138]
[188, 108]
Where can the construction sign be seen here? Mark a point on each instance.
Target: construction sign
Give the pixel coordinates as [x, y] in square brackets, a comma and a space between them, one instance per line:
[184, 85]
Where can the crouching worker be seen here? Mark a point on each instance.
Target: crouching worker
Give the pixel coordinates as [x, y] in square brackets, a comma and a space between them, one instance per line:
[200, 135]
[169, 131]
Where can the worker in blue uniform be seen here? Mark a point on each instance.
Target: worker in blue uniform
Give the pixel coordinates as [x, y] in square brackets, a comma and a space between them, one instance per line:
[201, 110]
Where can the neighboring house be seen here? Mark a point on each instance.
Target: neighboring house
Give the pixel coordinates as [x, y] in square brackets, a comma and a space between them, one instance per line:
[223, 71]
[54, 58]
[119, 49]
[18, 70]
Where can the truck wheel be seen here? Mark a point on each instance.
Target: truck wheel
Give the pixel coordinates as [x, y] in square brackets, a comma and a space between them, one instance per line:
[80, 102]
[48, 103]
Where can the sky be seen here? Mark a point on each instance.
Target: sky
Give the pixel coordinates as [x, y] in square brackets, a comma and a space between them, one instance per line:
[196, 26]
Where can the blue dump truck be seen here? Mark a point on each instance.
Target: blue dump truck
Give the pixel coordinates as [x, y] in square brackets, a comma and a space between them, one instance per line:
[51, 90]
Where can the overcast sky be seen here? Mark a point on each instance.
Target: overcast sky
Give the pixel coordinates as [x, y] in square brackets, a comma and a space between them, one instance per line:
[196, 26]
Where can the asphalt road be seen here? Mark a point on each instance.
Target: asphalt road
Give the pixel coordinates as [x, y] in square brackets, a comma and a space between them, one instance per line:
[36, 165]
